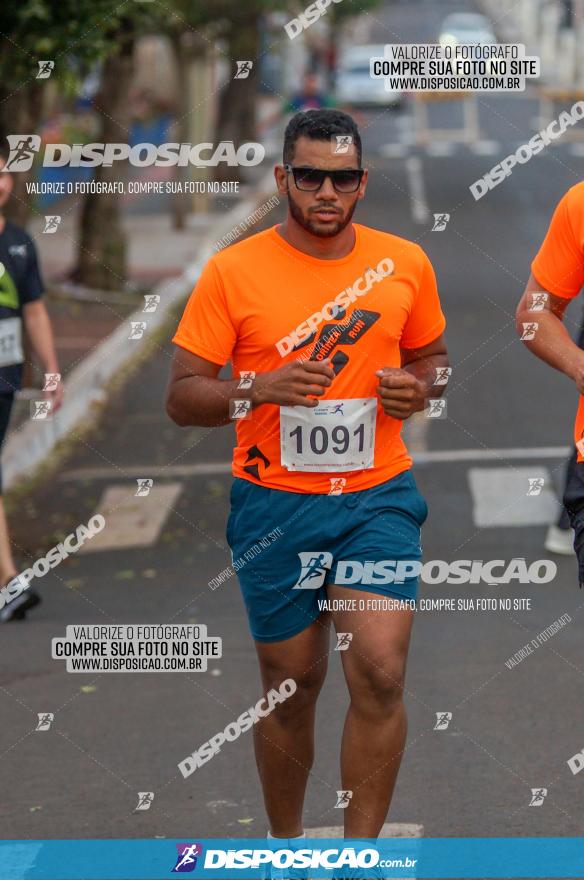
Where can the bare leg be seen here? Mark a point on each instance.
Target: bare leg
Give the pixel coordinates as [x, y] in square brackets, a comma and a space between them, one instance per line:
[7, 567]
[284, 739]
[375, 728]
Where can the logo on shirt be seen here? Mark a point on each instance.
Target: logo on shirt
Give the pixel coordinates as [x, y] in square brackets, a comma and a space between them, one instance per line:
[17, 250]
[8, 291]
[333, 335]
[255, 457]
[335, 308]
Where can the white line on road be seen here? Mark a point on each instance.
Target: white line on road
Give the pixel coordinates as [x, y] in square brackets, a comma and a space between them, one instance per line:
[485, 148]
[390, 829]
[501, 497]
[132, 521]
[393, 151]
[437, 456]
[419, 205]
[454, 455]
[154, 472]
[415, 433]
[439, 149]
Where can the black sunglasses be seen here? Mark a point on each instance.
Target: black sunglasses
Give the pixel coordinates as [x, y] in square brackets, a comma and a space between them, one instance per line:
[344, 180]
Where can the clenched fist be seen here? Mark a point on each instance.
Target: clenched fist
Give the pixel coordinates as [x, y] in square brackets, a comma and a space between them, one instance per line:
[401, 393]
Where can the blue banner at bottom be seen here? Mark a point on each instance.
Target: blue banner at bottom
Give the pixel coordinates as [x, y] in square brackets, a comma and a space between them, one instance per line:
[227, 858]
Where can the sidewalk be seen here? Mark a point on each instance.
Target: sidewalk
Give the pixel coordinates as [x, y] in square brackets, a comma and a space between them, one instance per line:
[92, 328]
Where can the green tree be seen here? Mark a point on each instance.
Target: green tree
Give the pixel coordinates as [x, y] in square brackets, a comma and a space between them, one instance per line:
[101, 253]
[236, 26]
[62, 31]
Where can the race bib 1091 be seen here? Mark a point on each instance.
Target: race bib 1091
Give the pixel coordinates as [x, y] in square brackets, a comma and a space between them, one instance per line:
[337, 435]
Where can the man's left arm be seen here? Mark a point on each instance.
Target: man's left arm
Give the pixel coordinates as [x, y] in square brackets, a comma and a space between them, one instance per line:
[405, 390]
[38, 324]
[38, 327]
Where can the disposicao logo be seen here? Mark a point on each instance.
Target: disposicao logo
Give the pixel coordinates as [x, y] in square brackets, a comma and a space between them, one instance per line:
[24, 147]
[188, 854]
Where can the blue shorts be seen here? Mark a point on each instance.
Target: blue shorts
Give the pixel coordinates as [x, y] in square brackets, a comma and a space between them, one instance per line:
[287, 546]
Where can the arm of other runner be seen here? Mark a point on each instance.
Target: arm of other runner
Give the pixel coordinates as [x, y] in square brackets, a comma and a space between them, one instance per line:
[38, 324]
[404, 391]
[543, 332]
[195, 395]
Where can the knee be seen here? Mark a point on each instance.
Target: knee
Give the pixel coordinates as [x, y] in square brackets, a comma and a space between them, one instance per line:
[377, 691]
[308, 686]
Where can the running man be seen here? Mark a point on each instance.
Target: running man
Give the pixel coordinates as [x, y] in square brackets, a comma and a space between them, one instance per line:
[557, 272]
[21, 289]
[324, 311]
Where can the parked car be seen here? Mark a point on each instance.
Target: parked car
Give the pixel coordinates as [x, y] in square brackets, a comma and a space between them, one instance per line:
[354, 84]
[466, 27]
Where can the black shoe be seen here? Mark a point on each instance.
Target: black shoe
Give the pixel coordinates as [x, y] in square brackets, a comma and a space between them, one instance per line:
[16, 609]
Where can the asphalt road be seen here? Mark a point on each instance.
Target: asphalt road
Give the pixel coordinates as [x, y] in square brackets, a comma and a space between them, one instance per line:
[511, 730]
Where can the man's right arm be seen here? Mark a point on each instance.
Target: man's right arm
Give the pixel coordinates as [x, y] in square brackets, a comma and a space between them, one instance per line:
[551, 341]
[195, 396]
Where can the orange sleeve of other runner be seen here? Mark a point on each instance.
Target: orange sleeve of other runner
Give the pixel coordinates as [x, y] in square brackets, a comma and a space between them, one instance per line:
[559, 264]
[206, 328]
[426, 321]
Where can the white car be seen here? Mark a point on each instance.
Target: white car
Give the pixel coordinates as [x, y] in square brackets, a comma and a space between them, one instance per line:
[466, 27]
[354, 84]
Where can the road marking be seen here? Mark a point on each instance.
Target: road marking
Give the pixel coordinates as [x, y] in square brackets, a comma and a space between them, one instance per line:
[393, 151]
[124, 472]
[500, 497]
[447, 456]
[485, 148]
[439, 149]
[132, 521]
[390, 829]
[415, 433]
[418, 203]
[437, 456]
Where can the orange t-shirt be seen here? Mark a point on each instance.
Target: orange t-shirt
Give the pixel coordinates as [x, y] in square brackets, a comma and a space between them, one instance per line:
[559, 266]
[262, 303]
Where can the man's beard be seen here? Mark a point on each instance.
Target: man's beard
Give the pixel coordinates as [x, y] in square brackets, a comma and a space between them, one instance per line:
[312, 228]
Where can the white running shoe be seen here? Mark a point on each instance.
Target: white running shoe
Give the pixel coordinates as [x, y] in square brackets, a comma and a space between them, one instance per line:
[560, 541]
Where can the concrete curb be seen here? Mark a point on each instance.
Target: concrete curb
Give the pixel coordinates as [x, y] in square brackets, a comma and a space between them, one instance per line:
[28, 447]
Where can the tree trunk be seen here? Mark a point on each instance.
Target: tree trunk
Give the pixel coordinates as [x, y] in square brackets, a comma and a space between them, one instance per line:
[101, 260]
[180, 200]
[237, 103]
[21, 113]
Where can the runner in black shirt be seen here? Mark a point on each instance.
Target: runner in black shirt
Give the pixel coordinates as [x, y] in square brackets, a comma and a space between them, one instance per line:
[21, 306]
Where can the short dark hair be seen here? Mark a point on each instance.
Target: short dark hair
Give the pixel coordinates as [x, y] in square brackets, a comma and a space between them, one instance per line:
[319, 125]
